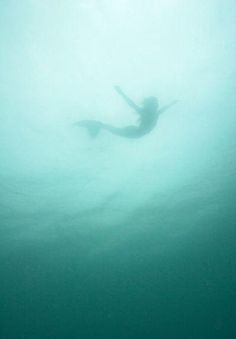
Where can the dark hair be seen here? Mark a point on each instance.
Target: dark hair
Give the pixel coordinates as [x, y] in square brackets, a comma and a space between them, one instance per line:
[150, 101]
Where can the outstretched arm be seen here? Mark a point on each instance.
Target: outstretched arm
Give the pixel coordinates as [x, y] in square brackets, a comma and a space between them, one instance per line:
[164, 108]
[127, 99]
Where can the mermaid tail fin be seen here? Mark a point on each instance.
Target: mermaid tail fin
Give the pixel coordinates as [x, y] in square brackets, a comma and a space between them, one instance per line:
[92, 126]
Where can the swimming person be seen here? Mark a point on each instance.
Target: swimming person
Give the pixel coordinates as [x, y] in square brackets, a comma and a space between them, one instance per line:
[148, 115]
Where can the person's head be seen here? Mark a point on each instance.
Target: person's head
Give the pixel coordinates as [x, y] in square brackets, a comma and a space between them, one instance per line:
[150, 103]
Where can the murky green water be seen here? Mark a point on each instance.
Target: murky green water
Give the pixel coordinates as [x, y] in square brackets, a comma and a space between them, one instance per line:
[110, 237]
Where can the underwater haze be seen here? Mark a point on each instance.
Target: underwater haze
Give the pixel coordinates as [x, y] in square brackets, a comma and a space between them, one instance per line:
[107, 236]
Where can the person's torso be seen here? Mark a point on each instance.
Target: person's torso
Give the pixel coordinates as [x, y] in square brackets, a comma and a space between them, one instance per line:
[147, 120]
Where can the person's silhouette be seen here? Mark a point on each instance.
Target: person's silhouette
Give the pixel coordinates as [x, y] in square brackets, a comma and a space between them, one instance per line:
[148, 115]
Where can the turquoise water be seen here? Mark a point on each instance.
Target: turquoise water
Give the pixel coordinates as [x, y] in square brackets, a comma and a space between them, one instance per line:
[111, 237]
